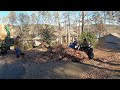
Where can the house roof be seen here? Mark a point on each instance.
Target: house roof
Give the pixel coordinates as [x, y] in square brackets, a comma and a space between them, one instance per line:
[37, 38]
[115, 34]
[111, 34]
[110, 38]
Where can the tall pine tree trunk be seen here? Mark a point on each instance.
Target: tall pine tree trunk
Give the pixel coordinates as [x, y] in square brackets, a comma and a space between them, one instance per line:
[83, 20]
[79, 30]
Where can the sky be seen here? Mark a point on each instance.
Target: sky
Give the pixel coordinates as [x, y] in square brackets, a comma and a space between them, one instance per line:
[5, 13]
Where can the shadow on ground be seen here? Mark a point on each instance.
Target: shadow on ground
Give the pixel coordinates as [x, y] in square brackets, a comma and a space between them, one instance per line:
[107, 62]
[12, 70]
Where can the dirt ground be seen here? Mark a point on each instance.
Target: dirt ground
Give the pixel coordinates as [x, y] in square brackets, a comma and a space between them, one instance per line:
[106, 65]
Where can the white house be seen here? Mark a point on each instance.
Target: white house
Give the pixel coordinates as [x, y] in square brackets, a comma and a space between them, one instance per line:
[37, 40]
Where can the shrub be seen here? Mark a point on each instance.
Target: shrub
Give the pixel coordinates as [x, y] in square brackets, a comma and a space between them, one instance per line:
[47, 35]
[91, 38]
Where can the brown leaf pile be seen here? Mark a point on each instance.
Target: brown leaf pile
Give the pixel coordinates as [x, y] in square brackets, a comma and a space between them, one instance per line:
[58, 52]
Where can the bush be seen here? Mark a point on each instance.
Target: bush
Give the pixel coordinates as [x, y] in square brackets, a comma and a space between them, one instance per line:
[91, 38]
[47, 35]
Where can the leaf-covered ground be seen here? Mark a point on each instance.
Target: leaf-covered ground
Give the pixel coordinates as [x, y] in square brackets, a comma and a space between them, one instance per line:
[60, 64]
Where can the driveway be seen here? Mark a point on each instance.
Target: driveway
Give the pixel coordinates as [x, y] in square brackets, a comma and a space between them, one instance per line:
[51, 70]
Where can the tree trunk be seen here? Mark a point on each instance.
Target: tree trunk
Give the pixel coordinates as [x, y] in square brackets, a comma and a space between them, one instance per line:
[79, 30]
[105, 23]
[59, 28]
[66, 31]
[69, 30]
[61, 40]
[67, 36]
[82, 21]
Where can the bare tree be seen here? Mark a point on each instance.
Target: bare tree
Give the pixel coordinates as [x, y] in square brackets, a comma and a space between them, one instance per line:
[79, 30]
[24, 20]
[12, 17]
[58, 24]
[98, 20]
[69, 26]
[5, 20]
[34, 22]
[65, 26]
[75, 21]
